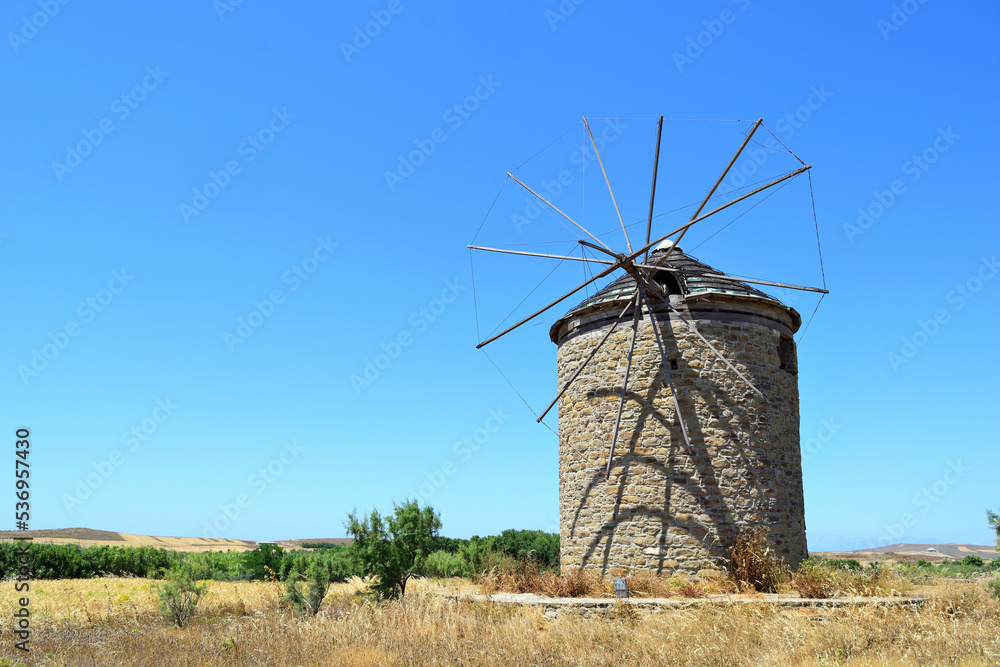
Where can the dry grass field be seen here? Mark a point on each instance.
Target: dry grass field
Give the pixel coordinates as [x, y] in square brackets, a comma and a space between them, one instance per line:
[111, 622]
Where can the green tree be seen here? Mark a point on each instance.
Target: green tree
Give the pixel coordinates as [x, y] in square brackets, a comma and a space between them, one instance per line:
[264, 556]
[535, 545]
[994, 520]
[393, 548]
[180, 594]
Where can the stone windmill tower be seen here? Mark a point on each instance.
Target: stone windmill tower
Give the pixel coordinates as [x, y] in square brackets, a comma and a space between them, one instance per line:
[679, 431]
[687, 474]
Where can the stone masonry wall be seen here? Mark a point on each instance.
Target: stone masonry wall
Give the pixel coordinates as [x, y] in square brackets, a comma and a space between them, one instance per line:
[667, 507]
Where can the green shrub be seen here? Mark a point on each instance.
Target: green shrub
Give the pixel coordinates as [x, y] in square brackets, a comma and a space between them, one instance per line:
[849, 564]
[180, 594]
[994, 587]
[266, 557]
[471, 553]
[68, 561]
[972, 561]
[393, 548]
[318, 579]
[444, 564]
[449, 544]
[541, 547]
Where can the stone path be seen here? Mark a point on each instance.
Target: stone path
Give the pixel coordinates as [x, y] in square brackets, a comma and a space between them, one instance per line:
[587, 606]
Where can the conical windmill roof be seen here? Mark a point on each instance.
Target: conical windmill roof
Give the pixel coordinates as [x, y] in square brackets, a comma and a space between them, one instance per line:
[683, 275]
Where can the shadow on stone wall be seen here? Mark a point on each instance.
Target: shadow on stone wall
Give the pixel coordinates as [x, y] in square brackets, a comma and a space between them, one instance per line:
[715, 538]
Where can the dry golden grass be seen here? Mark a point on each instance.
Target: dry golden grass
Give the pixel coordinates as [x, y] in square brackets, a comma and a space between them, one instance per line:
[112, 622]
[510, 575]
[817, 581]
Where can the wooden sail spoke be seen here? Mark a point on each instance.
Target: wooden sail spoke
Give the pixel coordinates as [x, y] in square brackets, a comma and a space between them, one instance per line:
[628, 372]
[557, 210]
[719, 181]
[652, 193]
[666, 363]
[541, 254]
[704, 340]
[608, 181]
[593, 353]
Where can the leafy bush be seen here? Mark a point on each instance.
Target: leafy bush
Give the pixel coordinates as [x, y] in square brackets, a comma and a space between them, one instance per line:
[963, 569]
[443, 564]
[472, 553]
[265, 557]
[180, 594]
[972, 560]
[448, 544]
[320, 545]
[542, 547]
[753, 564]
[318, 577]
[393, 548]
[68, 561]
[994, 587]
[837, 563]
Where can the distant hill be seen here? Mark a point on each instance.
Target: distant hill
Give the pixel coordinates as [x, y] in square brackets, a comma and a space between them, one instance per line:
[914, 552]
[833, 542]
[88, 537]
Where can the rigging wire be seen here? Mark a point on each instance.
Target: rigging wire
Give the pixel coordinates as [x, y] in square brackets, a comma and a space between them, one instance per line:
[475, 301]
[583, 177]
[523, 400]
[819, 247]
[768, 148]
[695, 120]
[528, 296]
[758, 203]
[787, 149]
[806, 327]
[637, 222]
[502, 186]
[547, 145]
[586, 267]
[819, 250]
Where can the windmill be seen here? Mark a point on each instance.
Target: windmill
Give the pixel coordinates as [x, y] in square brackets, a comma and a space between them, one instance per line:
[658, 287]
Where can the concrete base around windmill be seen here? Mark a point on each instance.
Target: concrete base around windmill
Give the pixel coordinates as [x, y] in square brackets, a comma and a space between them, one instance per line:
[599, 606]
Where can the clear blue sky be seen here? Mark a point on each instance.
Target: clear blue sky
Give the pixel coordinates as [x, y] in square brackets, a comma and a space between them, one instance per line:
[217, 159]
